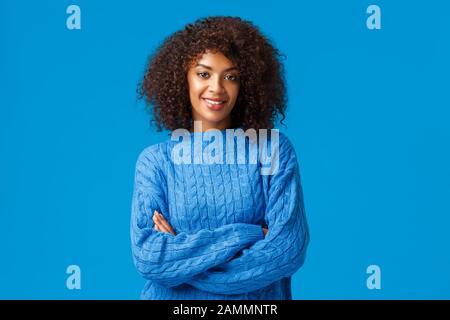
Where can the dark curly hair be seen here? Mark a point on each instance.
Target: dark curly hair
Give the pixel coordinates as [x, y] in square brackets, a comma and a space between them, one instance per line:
[262, 93]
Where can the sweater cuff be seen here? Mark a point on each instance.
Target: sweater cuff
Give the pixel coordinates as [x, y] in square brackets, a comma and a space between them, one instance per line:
[255, 232]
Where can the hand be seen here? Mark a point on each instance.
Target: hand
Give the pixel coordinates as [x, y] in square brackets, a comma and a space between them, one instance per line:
[161, 223]
[265, 230]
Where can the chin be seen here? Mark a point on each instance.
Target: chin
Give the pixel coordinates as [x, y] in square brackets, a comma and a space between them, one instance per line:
[215, 117]
[214, 120]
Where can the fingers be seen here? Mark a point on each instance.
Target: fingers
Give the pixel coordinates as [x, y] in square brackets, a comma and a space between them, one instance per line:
[162, 227]
[166, 226]
[161, 224]
[158, 225]
[156, 222]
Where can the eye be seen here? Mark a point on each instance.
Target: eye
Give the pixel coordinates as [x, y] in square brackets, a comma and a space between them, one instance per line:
[231, 77]
[203, 75]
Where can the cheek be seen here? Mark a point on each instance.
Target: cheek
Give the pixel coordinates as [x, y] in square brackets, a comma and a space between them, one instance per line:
[195, 88]
[233, 91]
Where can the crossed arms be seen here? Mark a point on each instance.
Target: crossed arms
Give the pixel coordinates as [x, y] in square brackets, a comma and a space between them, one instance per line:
[208, 259]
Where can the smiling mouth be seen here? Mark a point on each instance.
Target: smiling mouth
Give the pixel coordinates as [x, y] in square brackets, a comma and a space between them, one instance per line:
[214, 104]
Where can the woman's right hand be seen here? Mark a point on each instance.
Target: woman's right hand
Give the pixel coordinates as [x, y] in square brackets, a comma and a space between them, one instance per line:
[265, 230]
[161, 224]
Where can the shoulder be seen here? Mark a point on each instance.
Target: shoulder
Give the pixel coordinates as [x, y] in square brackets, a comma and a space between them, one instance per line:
[152, 157]
[151, 167]
[277, 154]
[288, 160]
[284, 140]
[286, 148]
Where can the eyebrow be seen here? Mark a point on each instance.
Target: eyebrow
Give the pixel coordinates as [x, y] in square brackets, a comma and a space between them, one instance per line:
[208, 67]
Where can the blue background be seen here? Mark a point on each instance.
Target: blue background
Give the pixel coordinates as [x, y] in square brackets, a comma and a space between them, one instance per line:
[368, 115]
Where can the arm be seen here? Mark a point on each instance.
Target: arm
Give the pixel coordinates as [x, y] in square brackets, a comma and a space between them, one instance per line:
[171, 260]
[282, 252]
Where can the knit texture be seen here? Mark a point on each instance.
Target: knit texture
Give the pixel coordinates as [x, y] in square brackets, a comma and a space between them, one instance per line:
[217, 212]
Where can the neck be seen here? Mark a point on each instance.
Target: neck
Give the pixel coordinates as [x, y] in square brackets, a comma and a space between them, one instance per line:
[202, 126]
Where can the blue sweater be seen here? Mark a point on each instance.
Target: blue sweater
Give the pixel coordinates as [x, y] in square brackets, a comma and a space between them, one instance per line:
[217, 212]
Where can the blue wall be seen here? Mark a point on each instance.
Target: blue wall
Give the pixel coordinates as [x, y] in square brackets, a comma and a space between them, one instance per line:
[368, 114]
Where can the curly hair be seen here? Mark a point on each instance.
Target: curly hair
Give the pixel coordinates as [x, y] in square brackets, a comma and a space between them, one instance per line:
[262, 94]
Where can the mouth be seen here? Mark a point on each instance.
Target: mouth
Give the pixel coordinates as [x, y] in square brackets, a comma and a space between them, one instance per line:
[214, 104]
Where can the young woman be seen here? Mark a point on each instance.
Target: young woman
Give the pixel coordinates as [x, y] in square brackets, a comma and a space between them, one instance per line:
[221, 229]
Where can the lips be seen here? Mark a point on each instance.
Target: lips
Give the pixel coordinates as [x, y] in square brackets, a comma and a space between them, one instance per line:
[214, 104]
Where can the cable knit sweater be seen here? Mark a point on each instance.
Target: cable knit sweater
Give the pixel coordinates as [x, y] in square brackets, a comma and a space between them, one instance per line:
[217, 212]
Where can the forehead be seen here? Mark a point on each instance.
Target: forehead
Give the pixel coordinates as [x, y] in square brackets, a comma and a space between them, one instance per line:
[215, 60]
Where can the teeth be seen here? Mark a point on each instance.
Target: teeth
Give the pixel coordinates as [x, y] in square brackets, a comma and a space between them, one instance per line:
[214, 102]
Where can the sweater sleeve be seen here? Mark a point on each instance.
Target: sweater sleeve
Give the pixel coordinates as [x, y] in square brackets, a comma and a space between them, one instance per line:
[172, 260]
[282, 252]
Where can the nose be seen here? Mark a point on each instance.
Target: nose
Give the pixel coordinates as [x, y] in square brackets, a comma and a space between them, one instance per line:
[215, 85]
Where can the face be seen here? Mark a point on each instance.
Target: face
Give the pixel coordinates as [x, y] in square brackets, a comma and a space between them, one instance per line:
[213, 89]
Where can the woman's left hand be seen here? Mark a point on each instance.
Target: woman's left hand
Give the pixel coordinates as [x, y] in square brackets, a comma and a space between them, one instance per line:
[161, 224]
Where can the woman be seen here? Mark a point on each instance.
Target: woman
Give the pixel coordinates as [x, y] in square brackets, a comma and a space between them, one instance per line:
[218, 229]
